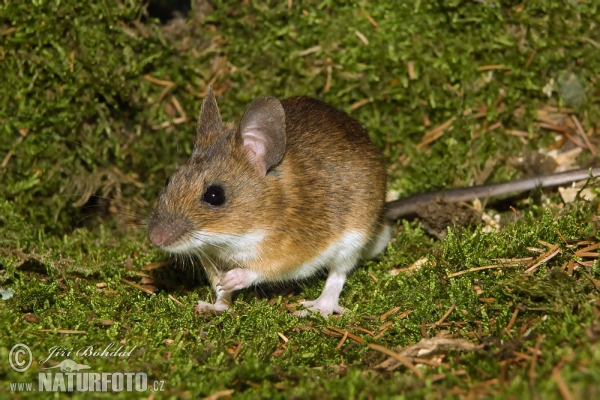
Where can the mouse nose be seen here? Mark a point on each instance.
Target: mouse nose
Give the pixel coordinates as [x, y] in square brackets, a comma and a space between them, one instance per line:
[159, 236]
[165, 231]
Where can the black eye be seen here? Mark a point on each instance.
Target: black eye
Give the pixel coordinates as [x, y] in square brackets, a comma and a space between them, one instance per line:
[167, 181]
[214, 195]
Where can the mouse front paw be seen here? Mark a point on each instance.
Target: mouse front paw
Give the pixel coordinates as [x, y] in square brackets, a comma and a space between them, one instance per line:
[326, 308]
[237, 279]
[218, 307]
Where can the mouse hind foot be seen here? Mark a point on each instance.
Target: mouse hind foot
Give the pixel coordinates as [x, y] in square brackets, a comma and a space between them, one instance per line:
[342, 256]
[322, 306]
[327, 302]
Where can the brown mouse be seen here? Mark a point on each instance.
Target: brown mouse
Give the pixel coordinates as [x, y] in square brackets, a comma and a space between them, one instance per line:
[297, 187]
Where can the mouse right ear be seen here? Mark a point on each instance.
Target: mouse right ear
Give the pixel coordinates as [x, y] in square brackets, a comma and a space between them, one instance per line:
[210, 118]
[262, 131]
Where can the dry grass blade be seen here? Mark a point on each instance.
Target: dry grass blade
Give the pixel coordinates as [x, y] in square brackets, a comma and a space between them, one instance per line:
[551, 253]
[552, 127]
[411, 70]
[446, 314]
[389, 312]
[397, 357]
[513, 260]
[151, 266]
[370, 19]
[589, 255]
[344, 332]
[331, 333]
[341, 343]
[424, 332]
[310, 50]
[491, 67]
[439, 377]
[24, 133]
[158, 81]
[587, 249]
[382, 329]
[221, 393]
[436, 345]
[529, 60]
[583, 135]
[237, 350]
[435, 133]
[180, 109]
[534, 359]
[429, 348]
[560, 383]
[452, 275]
[518, 133]
[368, 332]
[362, 37]
[135, 285]
[283, 337]
[513, 318]
[329, 77]
[359, 104]
[570, 267]
[493, 127]
[176, 301]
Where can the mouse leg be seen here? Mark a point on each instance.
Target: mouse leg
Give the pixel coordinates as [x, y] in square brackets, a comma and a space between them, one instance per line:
[224, 286]
[327, 302]
[353, 247]
[223, 301]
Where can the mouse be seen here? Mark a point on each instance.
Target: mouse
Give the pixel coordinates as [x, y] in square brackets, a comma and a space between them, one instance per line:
[294, 189]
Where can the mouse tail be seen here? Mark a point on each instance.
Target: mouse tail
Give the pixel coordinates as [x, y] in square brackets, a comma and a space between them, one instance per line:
[408, 205]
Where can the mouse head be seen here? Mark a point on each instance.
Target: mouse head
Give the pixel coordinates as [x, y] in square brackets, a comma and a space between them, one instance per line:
[228, 186]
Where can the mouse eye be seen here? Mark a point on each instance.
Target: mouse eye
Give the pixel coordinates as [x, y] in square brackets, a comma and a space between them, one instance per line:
[214, 195]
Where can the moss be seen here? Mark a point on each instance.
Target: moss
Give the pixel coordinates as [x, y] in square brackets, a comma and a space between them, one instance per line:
[98, 107]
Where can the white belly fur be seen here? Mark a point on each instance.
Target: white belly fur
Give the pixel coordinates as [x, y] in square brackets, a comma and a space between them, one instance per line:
[344, 254]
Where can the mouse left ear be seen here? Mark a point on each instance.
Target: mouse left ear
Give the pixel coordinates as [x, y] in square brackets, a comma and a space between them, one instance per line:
[262, 130]
[210, 118]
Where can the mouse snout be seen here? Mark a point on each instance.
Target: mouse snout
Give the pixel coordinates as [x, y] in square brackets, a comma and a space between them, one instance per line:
[164, 234]
[160, 236]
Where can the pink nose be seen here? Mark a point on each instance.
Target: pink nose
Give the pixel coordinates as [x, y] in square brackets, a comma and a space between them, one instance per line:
[159, 236]
[165, 229]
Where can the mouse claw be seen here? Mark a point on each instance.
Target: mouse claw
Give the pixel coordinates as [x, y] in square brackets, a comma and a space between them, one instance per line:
[325, 308]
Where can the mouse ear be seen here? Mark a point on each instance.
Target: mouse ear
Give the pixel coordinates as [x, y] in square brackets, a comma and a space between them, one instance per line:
[262, 131]
[210, 119]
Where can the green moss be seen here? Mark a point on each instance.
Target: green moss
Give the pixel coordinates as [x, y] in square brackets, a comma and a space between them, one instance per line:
[80, 115]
